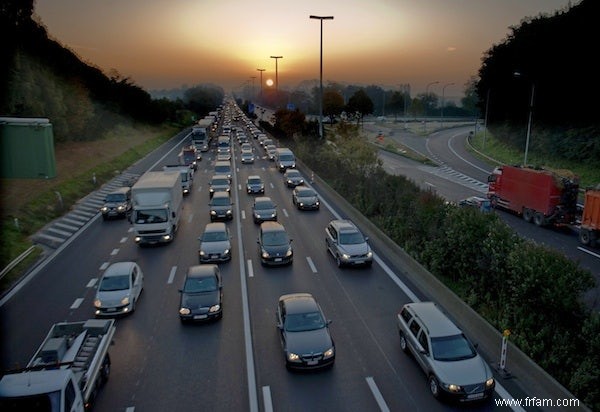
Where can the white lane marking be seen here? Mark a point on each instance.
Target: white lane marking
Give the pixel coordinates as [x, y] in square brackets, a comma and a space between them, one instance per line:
[104, 266]
[130, 409]
[114, 252]
[172, 275]
[123, 239]
[285, 213]
[250, 269]
[462, 158]
[311, 264]
[243, 214]
[190, 217]
[588, 251]
[77, 303]
[130, 230]
[267, 401]
[377, 395]
[92, 283]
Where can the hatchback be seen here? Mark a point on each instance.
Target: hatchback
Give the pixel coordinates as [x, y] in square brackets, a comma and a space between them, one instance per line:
[254, 184]
[221, 207]
[264, 209]
[215, 243]
[201, 296]
[305, 198]
[119, 289]
[292, 178]
[274, 245]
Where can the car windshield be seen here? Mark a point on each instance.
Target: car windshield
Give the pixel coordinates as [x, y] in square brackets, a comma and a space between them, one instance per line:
[223, 169]
[300, 322]
[351, 238]
[115, 197]
[112, 283]
[220, 201]
[200, 285]
[151, 216]
[293, 174]
[220, 182]
[277, 238]
[214, 236]
[263, 205]
[451, 348]
[254, 181]
[306, 193]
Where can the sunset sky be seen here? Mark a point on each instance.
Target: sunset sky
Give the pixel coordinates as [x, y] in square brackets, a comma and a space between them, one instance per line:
[166, 44]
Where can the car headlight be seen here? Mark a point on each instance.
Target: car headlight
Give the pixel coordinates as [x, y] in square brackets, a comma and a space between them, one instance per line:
[214, 308]
[211, 190]
[201, 253]
[345, 256]
[228, 211]
[369, 254]
[288, 253]
[97, 303]
[184, 311]
[292, 357]
[453, 388]
[265, 254]
[120, 208]
[489, 383]
[212, 212]
[328, 353]
[125, 300]
[226, 251]
[104, 209]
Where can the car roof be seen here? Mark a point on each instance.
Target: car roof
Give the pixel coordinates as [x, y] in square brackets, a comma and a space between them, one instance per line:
[202, 271]
[270, 226]
[120, 190]
[119, 268]
[344, 225]
[253, 177]
[259, 199]
[436, 322]
[215, 227]
[221, 194]
[299, 303]
[219, 176]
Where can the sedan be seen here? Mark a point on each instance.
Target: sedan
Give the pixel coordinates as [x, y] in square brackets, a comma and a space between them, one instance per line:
[304, 332]
[293, 178]
[247, 157]
[119, 289]
[264, 209]
[274, 245]
[201, 296]
[215, 243]
[254, 185]
[305, 198]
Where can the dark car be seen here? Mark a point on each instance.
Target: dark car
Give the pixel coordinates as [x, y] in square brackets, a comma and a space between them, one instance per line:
[264, 209]
[293, 178]
[215, 243]
[201, 296]
[219, 183]
[304, 332]
[305, 198]
[274, 245]
[221, 207]
[254, 184]
[117, 203]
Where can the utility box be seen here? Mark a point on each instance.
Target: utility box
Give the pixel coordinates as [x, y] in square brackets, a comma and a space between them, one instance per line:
[26, 148]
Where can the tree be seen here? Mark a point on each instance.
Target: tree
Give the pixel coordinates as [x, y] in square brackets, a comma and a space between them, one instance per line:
[333, 104]
[360, 105]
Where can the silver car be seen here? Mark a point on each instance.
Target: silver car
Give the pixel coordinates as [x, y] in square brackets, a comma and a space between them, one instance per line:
[119, 289]
[347, 244]
[215, 243]
[450, 361]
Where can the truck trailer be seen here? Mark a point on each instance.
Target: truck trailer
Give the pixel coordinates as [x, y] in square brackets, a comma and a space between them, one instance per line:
[589, 230]
[541, 196]
[65, 373]
[157, 202]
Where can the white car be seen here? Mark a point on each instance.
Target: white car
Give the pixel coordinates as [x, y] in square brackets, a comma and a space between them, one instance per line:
[119, 289]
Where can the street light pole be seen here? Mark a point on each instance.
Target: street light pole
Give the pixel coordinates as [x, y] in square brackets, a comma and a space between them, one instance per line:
[427, 94]
[261, 82]
[443, 95]
[276, 72]
[529, 121]
[321, 18]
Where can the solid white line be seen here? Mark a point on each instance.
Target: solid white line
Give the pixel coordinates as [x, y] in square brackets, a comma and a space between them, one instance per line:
[91, 283]
[250, 268]
[77, 303]
[588, 251]
[267, 401]
[462, 158]
[311, 264]
[172, 275]
[378, 397]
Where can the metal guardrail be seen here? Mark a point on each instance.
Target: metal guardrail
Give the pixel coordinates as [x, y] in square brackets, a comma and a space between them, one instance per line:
[15, 262]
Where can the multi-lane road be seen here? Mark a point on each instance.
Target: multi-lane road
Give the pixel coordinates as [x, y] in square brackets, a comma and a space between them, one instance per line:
[235, 364]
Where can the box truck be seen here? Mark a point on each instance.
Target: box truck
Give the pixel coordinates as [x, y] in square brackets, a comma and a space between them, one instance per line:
[589, 230]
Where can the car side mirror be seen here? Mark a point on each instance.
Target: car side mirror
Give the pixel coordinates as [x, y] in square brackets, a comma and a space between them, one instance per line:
[279, 325]
[329, 321]
[366, 238]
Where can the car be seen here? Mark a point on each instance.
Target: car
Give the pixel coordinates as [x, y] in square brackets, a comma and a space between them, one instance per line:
[271, 150]
[201, 296]
[215, 243]
[223, 167]
[226, 156]
[254, 184]
[292, 178]
[219, 183]
[246, 147]
[305, 198]
[266, 142]
[117, 204]
[274, 245]
[450, 361]
[119, 289]
[264, 209]
[247, 157]
[347, 244]
[221, 206]
[477, 202]
[304, 332]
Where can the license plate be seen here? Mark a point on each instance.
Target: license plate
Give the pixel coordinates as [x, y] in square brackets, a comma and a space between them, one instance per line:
[360, 262]
[111, 309]
[475, 395]
[214, 256]
[312, 362]
[200, 316]
[278, 259]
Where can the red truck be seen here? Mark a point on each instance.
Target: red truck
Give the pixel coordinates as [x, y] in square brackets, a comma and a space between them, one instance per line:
[589, 231]
[539, 195]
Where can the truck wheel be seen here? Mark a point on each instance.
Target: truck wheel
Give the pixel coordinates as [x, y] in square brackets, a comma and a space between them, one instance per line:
[585, 236]
[539, 219]
[527, 215]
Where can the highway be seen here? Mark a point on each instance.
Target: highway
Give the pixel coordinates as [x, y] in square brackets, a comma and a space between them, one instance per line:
[235, 364]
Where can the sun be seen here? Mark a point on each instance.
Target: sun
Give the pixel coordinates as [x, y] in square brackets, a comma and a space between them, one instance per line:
[269, 82]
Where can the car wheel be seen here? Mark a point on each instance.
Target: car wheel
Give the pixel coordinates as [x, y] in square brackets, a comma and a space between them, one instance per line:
[403, 344]
[105, 371]
[338, 261]
[434, 386]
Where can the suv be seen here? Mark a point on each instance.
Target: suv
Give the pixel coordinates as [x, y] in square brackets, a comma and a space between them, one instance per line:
[452, 365]
[117, 203]
[347, 244]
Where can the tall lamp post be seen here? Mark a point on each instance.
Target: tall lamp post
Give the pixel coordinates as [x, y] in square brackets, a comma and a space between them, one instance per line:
[276, 72]
[261, 82]
[427, 94]
[518, 74]
[443, 95]
[321, 73]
